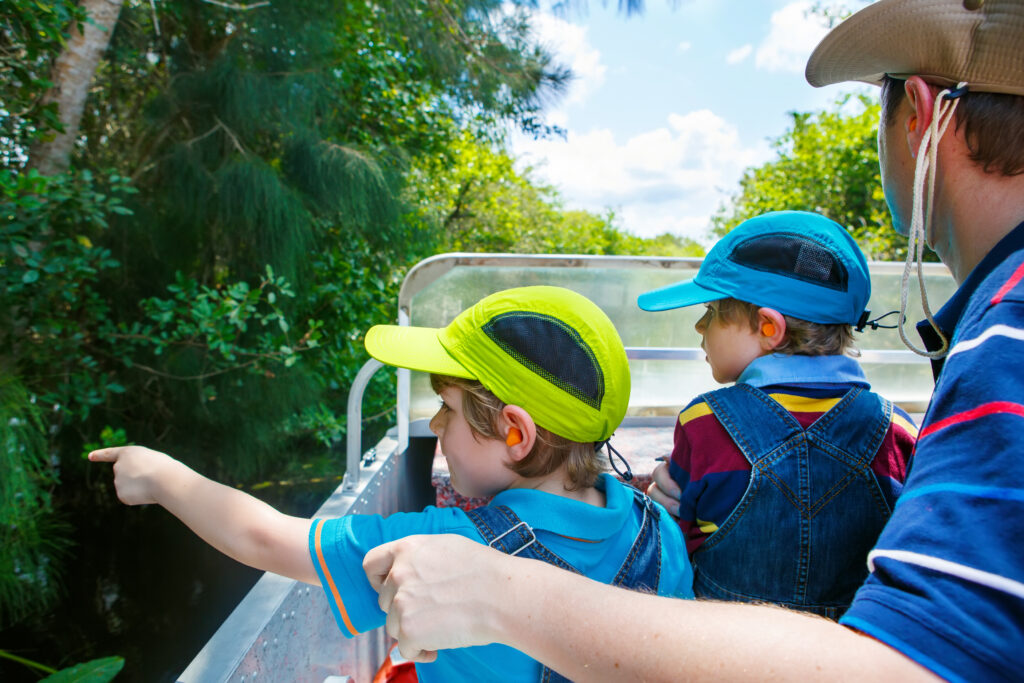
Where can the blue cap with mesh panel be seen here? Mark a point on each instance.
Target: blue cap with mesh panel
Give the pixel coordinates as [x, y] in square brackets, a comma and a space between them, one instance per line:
[798, 263]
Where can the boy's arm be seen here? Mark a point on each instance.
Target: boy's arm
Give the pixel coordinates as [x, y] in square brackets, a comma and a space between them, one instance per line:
[235, 523]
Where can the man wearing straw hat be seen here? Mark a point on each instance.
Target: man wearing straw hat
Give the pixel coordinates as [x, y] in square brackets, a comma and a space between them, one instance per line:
[946, 594]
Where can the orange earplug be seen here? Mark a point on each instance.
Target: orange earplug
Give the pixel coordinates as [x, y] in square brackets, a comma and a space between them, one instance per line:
[912, 125]
[514, 436]
[768, 330]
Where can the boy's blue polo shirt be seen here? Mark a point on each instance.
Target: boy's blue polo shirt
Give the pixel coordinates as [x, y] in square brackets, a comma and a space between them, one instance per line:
[594, 540]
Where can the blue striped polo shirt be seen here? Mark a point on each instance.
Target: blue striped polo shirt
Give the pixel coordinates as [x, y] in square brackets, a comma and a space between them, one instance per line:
[947, 581]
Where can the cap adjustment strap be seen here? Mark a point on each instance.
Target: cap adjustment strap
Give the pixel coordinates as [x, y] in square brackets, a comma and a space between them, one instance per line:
[628, 474]
[863, 322]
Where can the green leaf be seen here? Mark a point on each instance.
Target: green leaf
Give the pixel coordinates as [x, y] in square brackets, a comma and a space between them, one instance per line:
[30, 276]
[96, 671]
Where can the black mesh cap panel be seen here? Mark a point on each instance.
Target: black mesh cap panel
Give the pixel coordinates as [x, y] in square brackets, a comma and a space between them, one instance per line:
[551, 349]
[792, 255]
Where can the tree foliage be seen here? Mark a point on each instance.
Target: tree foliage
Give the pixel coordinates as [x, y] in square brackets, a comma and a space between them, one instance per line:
[232, 222]
[827, 162]
[32, 33]
[473, 198]
[249, 184]
[30, 537]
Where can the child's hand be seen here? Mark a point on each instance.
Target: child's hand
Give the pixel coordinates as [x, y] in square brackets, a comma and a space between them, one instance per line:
[137, 470]
[664, 489]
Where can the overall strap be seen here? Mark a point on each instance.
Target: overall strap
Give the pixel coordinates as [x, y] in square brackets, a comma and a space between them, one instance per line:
[641, 570]
[755, 421]
[856, 425]
[505, 531]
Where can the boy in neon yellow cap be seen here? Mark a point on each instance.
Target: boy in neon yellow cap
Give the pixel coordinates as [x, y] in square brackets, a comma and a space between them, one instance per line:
[533, 381]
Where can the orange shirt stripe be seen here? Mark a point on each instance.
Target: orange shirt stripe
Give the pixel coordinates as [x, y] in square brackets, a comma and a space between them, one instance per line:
[330, 579]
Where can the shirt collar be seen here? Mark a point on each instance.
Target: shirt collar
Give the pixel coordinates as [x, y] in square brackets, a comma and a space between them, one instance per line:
[781, 368]
[949, 315]
[573, 518]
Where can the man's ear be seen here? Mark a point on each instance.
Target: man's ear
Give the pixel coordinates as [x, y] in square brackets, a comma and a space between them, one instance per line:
[921, 98]
[514, 417]
[771, 327]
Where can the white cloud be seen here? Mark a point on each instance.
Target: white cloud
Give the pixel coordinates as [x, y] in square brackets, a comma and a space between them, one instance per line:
[568, 42]
[793, 36]
[739, 54]
[670, 179]
[684, 46]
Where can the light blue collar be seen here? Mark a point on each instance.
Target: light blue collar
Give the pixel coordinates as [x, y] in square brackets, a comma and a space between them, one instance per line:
[781, 368]
[574, 518]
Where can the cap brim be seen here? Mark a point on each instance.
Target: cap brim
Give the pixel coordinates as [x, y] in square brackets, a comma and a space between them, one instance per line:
[677, 295]
[416, 348]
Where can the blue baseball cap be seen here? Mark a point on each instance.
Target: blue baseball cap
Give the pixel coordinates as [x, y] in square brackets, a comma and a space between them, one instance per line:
[799, 263]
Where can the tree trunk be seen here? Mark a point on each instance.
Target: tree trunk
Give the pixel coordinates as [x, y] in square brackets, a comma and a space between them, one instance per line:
[72, 75]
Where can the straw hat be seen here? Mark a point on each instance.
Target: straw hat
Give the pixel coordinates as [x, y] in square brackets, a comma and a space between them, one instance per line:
[943, 41]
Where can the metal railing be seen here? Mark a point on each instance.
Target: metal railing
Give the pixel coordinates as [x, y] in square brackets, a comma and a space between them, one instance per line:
[354, 439]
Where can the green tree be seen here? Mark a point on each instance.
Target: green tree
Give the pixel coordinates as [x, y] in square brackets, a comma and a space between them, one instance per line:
[72, 75]
[32, 35]
[474, 199]
[270, 135]
[826, 162]
[200, 276]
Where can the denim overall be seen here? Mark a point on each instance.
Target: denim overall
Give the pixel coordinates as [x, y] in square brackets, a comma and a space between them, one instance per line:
[641, 570]
[800, 535]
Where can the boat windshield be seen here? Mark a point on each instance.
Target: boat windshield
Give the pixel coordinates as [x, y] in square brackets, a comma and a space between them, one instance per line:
[668, 367]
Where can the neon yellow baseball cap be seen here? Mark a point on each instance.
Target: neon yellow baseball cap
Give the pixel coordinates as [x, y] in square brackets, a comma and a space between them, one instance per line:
[549, 350]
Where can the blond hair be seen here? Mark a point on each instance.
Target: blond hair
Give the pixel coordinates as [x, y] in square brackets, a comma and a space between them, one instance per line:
[802, 337]
[550, 451]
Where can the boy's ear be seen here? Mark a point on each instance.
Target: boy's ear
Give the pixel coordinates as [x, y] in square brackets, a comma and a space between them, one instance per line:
[515, 418]
[771, 327]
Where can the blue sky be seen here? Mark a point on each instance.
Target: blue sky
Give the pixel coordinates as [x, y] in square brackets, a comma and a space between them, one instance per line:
[670, 106]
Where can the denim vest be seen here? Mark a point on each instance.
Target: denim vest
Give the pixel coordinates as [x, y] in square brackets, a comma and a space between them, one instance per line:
[641, 570]
[813, 509]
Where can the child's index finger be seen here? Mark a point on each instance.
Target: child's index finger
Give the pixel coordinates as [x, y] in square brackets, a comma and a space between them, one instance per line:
[105, 455]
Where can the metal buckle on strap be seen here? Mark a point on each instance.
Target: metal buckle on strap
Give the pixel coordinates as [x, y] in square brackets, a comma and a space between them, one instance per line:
[533, 538]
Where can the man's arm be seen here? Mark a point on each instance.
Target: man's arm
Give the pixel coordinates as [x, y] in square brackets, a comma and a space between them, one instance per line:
[445, 591]
[235, 523]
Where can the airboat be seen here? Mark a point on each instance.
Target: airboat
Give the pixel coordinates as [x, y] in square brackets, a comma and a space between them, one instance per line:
[283, 631]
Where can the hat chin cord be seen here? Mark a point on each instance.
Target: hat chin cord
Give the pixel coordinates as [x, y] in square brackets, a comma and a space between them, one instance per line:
[921, 217]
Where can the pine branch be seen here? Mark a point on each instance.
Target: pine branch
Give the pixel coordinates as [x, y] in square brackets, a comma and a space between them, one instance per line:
[231, 135]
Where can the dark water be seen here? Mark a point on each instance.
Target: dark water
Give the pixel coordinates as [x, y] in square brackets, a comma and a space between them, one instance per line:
[140, 585]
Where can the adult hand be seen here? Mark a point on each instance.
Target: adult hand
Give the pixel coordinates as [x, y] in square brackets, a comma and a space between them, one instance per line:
[438, 592]
[664, 490]
[136, 470]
